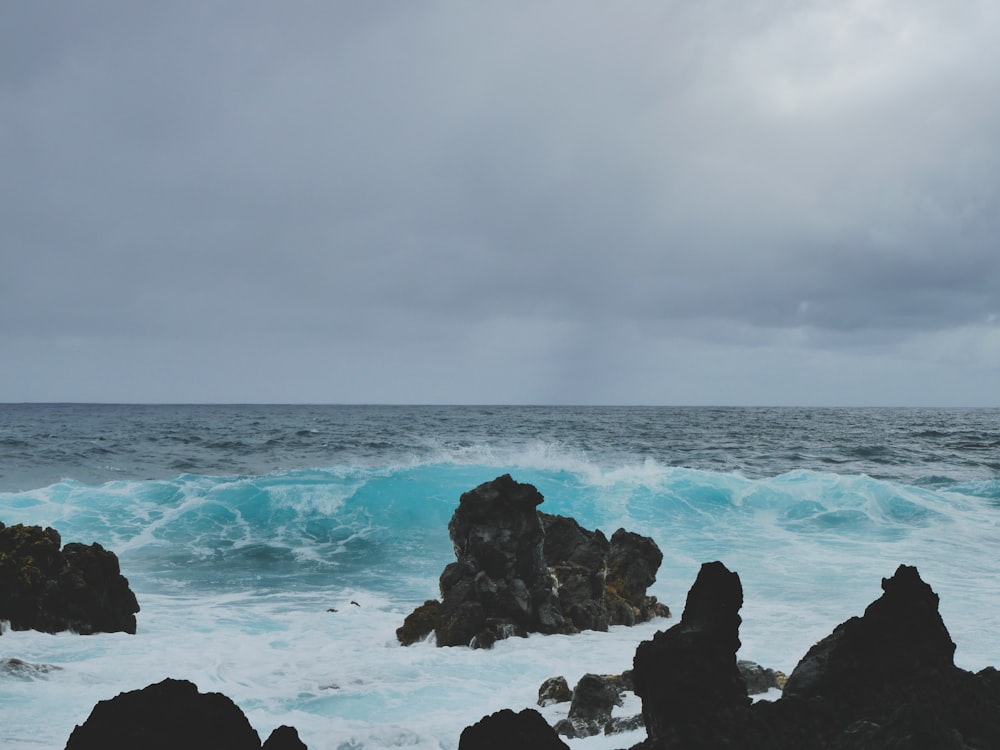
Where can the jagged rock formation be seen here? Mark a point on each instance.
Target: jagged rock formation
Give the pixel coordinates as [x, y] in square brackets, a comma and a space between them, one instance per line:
[173, 714]
[884, 680]
[692, 693]
[519, 571]
[78, 587]
[284, 738]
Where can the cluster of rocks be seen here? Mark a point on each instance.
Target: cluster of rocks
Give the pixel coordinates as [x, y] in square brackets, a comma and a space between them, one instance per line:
[49, 587]
[883, 680]
[595, 697]
[518, 570]
[173, 714]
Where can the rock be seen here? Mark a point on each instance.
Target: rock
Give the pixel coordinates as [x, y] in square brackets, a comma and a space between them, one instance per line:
[554, 690]
[594, 698]
[882, 681]
[23, 670]
[758, 679]
[632, 564]
[579, 560]
[500, 585]
[420, 623]
[284, 738]
[505, 730]
[168, 715]
[622, 724]
[692, 693]
[893, 669]
[45, 588]
[520, 571]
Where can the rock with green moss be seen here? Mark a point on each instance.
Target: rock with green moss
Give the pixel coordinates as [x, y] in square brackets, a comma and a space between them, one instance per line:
[49, 587]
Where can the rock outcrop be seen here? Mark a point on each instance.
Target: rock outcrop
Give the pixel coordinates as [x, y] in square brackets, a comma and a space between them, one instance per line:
[890, 674]
[172, 714]
[78, 587]
[284, 738]
[518, 571]
[883, 680]
[505, 730]
[693, 695]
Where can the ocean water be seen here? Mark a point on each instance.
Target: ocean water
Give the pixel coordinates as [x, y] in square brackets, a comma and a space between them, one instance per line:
[241, 527]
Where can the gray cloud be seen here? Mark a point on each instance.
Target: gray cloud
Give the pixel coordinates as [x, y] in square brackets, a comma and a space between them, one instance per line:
[397, 189]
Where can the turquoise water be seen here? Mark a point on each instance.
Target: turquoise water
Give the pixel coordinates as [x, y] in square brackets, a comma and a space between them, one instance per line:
[239, 528]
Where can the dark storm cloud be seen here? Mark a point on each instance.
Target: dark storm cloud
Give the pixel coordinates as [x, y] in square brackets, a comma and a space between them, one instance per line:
[391, 181]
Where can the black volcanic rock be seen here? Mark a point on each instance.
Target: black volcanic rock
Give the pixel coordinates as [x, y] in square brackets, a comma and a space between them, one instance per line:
[578, 558]
[79, 587]
[692, 693]
[883, 681]
[500, 584]
[890, 674]
[420, 623]
[166, 716]
[594, 698]
[519, 571]
[284, 738]
[901, 638]
[506, 730]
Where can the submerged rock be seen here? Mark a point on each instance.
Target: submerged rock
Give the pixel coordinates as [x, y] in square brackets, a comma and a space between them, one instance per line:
[518, 571]
[890, 674]
[78, 587]
[23, 670]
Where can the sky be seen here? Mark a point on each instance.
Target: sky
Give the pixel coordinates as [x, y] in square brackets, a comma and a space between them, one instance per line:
[774, 202]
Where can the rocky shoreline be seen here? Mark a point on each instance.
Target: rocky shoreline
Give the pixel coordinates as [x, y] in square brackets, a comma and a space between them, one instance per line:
[883, 680]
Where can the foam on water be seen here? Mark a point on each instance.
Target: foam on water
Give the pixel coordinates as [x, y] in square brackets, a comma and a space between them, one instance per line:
[236, 573]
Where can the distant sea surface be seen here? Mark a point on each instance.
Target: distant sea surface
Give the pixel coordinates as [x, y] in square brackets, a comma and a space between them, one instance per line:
[241, 527]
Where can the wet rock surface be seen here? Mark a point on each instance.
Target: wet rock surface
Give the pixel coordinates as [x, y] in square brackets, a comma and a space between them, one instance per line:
[883, 681]
[51, 588]
[519, 571]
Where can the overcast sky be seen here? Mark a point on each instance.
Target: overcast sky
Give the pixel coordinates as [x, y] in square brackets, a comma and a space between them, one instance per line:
[769, 202]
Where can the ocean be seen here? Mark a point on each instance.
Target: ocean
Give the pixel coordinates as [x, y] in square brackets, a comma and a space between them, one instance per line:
[242, 528]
